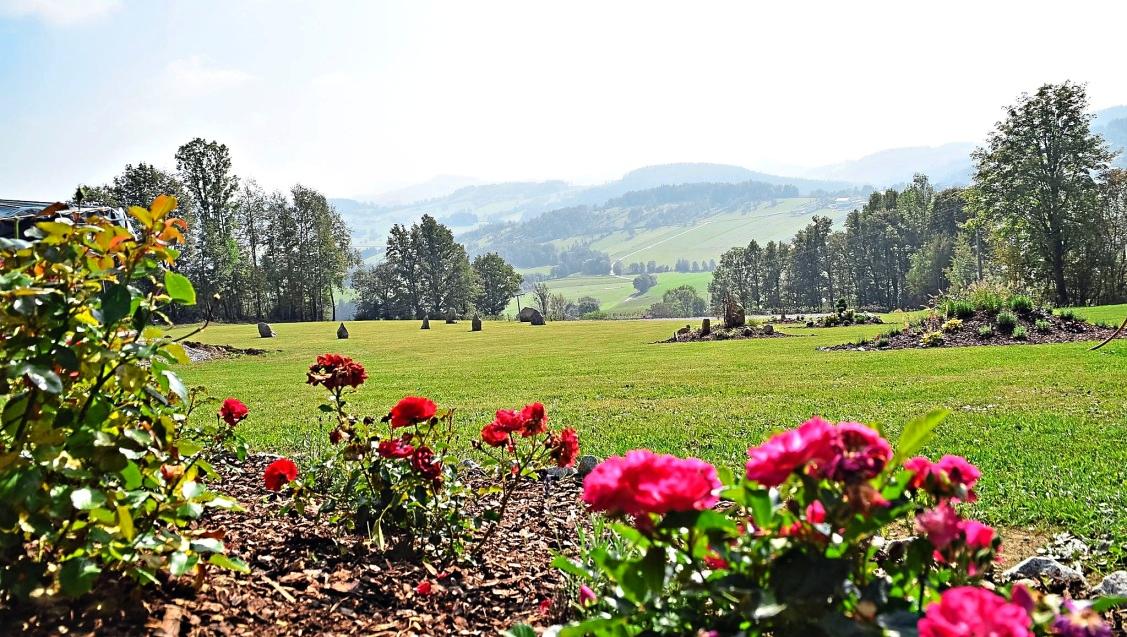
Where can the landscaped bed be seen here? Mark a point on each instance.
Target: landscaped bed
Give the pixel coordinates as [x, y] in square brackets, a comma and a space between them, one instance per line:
[963, 325]
[687, 334]
[307, 577]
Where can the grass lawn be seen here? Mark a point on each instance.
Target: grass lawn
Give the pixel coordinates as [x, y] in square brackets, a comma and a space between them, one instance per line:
[617, 295]
[1045, 423]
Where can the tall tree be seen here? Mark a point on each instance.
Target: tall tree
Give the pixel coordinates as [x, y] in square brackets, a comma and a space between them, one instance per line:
[1036, 179]
[205, 169]
[497, 283]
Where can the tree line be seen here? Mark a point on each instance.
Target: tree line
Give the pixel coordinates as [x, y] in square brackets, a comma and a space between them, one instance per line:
[249, 253]
[1045, 213]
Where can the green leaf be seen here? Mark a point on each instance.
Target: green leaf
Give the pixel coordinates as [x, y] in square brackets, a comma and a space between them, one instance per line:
[520, 630]
[1104, 604]
[87, 499]
[180, 562]
[192, 489]
[177, 352]
[77, 575]
[207, 545]
[179, 288]
[115, 304]
[229, 563]
[44, 379]
[175, 385]
[569, 566]
[916, 434]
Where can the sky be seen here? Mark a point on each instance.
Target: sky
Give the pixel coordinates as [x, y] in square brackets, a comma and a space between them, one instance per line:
[355, 98]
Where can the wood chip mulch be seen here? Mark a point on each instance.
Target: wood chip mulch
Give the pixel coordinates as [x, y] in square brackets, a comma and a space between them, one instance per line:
[308, 578]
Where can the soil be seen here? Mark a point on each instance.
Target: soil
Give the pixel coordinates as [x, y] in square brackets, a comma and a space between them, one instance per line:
[197, 351]
[725, 334]
[966, 335]
[309, 578]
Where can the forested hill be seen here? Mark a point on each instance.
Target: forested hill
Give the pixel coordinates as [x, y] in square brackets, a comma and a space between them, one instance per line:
[473, 206]
[666, 210]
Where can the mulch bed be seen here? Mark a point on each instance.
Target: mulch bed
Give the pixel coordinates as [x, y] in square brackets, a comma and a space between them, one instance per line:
[1060, 331]
[724, 334]
[308, 578]
[197, 351]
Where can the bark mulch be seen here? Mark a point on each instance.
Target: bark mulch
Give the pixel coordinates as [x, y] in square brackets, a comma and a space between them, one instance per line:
[1060, 331]
[308, 578]
[689, 335]
[197, 351]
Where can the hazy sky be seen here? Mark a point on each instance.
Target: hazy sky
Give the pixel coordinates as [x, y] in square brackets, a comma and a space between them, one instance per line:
[357, 97]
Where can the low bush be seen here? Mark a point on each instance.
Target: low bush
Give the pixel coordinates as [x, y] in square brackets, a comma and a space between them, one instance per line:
[1021, 304]
[985, 331]
[959, 309]
[987, 297]
[1066, 314]
[932, 339]
[1020, 333]
[793, 549]
[952, 325]
[1006, 321]
[1043, 326]
[95, 474]
[882, 342]
[894, 331]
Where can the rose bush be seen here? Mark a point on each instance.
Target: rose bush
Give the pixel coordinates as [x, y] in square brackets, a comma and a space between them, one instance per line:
[95, 474]
[795, 545]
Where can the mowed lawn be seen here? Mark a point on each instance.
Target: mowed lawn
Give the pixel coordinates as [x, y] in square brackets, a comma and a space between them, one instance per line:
[1047, 424]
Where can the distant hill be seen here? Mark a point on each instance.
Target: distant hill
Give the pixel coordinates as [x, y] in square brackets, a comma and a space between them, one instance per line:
[1112, 124]
[433, 188]
[946, 165]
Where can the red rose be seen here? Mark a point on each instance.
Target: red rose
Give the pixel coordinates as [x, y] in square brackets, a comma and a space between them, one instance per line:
[508, 420]
[395, 448]
[565, 447]
[533, 420]
[772, 462]
[424, 588]
[972, 611]
[859, 453]
[335, 371]
[233, 411]
[279, 472]
[424, 463]
[494, 435]
[412, 410]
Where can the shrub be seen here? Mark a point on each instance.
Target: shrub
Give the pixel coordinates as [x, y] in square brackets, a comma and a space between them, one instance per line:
[1021, 304]
[791, 551]
[932, 339]
[1066, 314]
[987, 297]
[1020, 333]
[882, 342]
[1043, 326]
[959, 309]
[1006, 321]
[894, 331]
[985, 331]
[952, 325]
[95, 477]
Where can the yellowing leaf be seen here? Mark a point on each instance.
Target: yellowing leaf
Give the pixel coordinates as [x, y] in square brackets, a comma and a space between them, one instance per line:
[142, 215]
[125, 522]
[162, 205]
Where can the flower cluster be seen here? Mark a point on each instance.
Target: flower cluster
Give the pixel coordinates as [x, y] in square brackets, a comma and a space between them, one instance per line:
[969, 611]
[530, 421]
[952, 477]
[336, 372]
[846, 452]
[642, 482]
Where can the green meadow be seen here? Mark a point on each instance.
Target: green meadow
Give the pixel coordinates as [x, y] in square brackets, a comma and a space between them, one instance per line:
[1045, 423]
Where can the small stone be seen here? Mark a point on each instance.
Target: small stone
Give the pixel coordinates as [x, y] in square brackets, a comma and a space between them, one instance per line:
[1040, 567]
[734, 315]
[342, 331]
[1114, 585]
[705, 327]
[475, 324]
[426, 323]
[265, 331]
[559, 473]
[768, 329]
[685, 330]
[451, 317]
[586, 465]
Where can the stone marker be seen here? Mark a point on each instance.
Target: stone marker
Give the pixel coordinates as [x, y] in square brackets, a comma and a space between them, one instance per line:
[537, 318]
[475, 324]
[734, 315]
[265, 331]
[768, 329]
[706, 327]
[526, 314]
[342, 331]
[426, 323]
[451, 317]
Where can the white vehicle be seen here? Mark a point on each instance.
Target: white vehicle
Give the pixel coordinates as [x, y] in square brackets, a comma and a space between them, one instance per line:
[17, 216]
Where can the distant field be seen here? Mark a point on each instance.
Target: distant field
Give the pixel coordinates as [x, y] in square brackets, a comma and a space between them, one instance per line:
[1044, 422]
[617, 295]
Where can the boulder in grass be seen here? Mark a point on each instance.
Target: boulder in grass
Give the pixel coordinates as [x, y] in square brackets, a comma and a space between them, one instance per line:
[265, 331]
[342, 331]
[537, 318]
[475, 324]
[451, 317]
[1114, 585]
[426, 323]
[526, 314]
[734, 315]
[768, 329]
[1055, 575]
